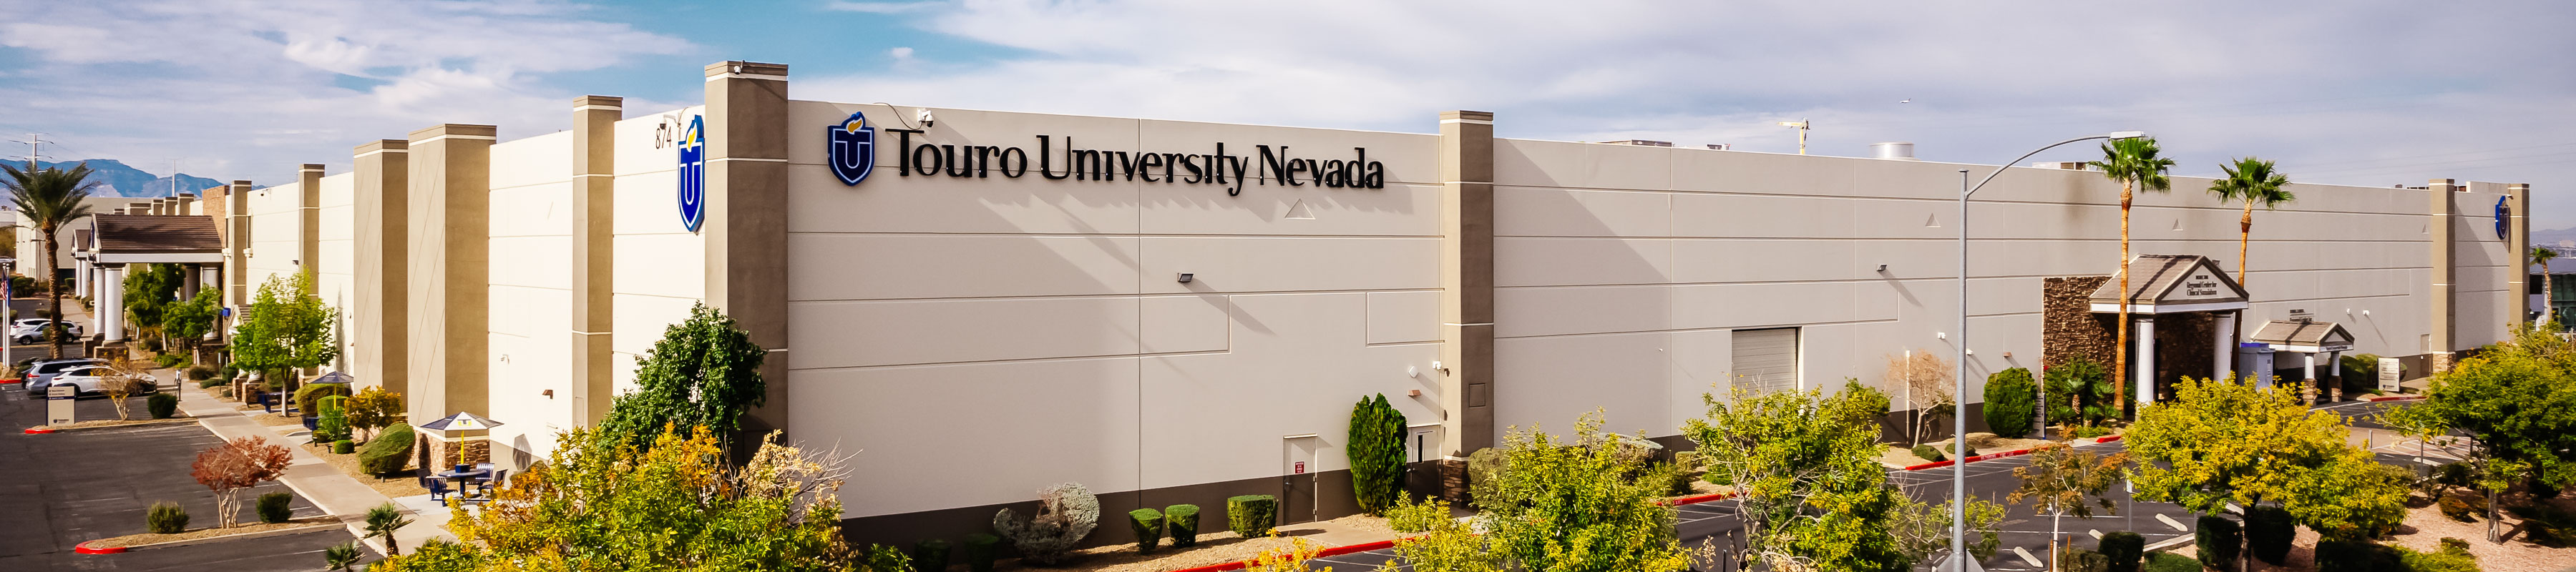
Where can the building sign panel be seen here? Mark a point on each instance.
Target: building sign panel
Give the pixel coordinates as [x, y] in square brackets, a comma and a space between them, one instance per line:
[2389, 372]
[853, 149]
[2201, 284]
[693, 174]
[1062, 159]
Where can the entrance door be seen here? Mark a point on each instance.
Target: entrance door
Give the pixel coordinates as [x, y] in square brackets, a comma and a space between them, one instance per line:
[1297, 499]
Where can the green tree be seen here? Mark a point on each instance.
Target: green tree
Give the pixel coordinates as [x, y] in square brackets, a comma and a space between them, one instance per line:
[150, 289]
[1560, 504]
[2009, 398]
[2253, 182]
[705, 372]
[601, 503]
[1376, 451]
[187, 322]
[47, 200]
[2135, 164]
[2513, 407]
[383, 520]
[287, 329]
[1922, 529]
[2061, 479]
[1805, 477]
[2218, 443]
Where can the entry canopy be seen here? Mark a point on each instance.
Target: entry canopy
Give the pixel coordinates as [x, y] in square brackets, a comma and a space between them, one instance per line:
[130, 238]
[2171, 283]
[2303, 336]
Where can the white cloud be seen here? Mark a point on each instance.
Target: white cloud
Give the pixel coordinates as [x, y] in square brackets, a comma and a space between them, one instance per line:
[249, 89]
[880, 7]
[2320, 83]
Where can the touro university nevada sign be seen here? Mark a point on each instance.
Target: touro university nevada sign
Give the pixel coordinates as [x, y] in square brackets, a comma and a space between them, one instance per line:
[693, 174]
[852, 147]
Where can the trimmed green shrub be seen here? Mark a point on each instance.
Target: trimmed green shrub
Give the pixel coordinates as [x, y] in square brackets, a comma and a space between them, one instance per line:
[2448, 559]
[388, 452]
[1251, 516]
[2011, 399]
[2170, 562]
[334, 425]
[1413, 517]
[882, 558]
[305, 398]
[1928, 453]
[2459, 507]
[1148, 524]
[2268, 532]
[930, 555]
[276, 507]
[344, 447]
[2123, 548]
[1376, 451]
[213, 383]
[2218, 541]
[981, 549]
[1182, 522]
[166, 361]
[2090, 431]
[2456, 474]
[162, 405]
[2081, 560]
[165, 518]
[1667, 478]
[201, 373]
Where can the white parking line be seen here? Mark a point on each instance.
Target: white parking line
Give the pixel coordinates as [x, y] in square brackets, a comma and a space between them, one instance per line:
[2097, 533]
[2025, 554]
[2169, 521]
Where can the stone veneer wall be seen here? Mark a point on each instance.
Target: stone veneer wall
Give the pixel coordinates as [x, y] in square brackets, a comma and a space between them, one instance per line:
[2068, 326]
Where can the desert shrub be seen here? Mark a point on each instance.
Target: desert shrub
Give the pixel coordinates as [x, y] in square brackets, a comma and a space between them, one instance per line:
[201, 374]
[2456, 474]
[1667, 478]
[276, 507]
[1484, 470]
[2123, 548]
[1928, 453]
[2218, 541]
[213, 383]
[162, 405]
[981, 550]
[2169, 562]
[1148, 524]
[2268, 532]
[2445, 560]
[1376, 451]
[2089, 431]
[882, 558]
[2011, 398]
[930, 555]
[1416, 517]
[305, 398]
[166, 361]
[2081, 560]
[344, 447]
[388, 452]
[1251, 516]
[165, 518]
[1181, 522]
[2459, 507]
[1066, 513]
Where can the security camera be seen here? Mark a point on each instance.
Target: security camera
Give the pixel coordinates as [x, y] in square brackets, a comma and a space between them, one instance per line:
[923, 115]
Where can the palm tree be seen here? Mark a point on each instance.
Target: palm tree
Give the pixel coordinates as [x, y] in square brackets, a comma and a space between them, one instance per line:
[48, 199]
[2253, 182]
[2132, 162]
[2541, 255]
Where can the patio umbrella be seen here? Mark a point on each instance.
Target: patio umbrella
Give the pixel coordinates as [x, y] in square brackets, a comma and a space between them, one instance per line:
[334, 377]
[461, 421]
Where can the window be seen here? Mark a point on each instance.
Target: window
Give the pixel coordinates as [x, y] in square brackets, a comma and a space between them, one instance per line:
[1766, 360]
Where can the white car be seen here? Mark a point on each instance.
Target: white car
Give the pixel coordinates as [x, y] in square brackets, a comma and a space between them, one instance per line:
[90, 378]
[32, 330]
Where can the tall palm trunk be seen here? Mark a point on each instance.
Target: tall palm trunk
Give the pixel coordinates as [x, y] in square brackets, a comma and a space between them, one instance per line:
[2548, 294]
[2120, 356]
[54, 292]
[2244, 233]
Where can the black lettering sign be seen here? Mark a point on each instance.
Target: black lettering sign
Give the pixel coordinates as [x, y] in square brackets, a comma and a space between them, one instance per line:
[1267, 165]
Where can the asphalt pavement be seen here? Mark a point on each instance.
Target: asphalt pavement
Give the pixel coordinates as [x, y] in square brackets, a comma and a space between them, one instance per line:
[58, 490]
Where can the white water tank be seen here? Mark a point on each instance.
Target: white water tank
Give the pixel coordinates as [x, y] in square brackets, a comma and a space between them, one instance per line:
[1892, 150]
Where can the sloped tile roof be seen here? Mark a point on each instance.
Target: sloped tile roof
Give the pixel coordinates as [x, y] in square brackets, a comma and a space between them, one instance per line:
[157, 234]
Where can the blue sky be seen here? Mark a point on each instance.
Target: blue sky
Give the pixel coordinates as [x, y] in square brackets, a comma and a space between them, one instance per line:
[2355, 92]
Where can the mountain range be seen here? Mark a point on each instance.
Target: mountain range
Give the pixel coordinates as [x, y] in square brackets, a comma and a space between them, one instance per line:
[116, 179]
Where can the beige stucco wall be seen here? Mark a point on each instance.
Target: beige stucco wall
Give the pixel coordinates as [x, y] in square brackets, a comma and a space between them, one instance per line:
[660, 269]
[335, 278]
[276, 228]
[530, 276]
[977, 339]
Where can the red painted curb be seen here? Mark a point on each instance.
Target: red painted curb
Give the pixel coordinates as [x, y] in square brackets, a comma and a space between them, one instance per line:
[84, 548]
[1325, 553]
[1678, 501]
[38, 431]
[2396, 398]
[2107, 439]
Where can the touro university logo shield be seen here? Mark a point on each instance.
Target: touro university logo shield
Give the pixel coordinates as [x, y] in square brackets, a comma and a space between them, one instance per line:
[693, 174]
[853, 148]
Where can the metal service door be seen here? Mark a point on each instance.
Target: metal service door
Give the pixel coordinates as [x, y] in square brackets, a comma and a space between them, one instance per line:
[1297, 500]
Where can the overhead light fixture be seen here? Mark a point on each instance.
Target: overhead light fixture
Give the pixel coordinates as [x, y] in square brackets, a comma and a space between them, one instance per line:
[2128, 135]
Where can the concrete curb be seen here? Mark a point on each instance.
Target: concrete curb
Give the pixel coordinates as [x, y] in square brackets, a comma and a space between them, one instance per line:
[83, 548]
[2013, 453]
[1384, 544]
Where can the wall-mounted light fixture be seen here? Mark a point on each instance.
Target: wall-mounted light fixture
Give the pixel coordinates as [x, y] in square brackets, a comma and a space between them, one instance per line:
[1187, 277]
[1882, 268]
[550, 394]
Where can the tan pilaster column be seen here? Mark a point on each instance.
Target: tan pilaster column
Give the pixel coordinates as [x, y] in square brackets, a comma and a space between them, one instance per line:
[308, 214]
[2438, 336]
[2517, 236]
[746, 226]
[1467, 281]
[237, 247]
[594, 140]
[383, 206]
[449, 227]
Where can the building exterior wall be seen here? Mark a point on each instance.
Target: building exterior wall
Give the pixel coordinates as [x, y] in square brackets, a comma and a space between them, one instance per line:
[530, 381]
[335, 271]
[276, 222]
[659, 267]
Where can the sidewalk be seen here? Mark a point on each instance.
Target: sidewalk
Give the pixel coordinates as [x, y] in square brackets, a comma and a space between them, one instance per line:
[336, 493]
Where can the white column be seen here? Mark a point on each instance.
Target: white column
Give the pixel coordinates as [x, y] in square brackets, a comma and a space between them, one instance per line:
[2145, 378]
[2334, 365]
[2309, 371]
[2226, 354]
[111, 304]
[188, 277]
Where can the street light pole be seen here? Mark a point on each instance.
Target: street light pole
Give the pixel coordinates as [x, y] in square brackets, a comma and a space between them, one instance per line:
[1959, 419]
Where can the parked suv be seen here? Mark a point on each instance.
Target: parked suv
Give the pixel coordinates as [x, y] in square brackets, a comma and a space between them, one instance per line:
[91, 378]
[32, 330]
[40, 373]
